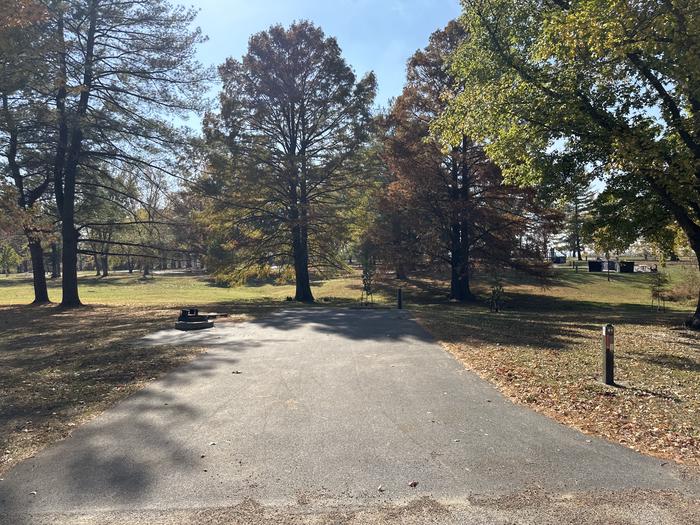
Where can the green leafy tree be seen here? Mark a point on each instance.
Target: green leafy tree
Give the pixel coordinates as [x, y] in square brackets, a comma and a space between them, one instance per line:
[577, 203]
[8, 257]
[613, 82]
[285, 152]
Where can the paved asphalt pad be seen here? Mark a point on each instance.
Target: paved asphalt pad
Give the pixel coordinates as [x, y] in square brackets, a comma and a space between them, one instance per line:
[340, 411]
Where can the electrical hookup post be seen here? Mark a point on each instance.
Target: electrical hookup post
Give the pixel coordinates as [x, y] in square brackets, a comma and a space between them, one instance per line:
[609, 355]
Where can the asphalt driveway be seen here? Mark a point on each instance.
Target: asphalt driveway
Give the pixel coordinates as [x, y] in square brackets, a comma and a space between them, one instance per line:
[333, 415]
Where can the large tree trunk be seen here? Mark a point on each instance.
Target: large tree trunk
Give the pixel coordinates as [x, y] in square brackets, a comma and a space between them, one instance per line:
[578, 247]
[460, 285]
[694, 321]
[460, 288]
[693, 232]
[401, 271]
[41, 293]
[71, 298]
[691, 229]
[300, 249]
[577, 231]
[105, 265]
[300, 232]
[68, 154]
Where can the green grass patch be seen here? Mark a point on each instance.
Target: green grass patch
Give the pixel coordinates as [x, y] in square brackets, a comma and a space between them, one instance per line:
[173, 290]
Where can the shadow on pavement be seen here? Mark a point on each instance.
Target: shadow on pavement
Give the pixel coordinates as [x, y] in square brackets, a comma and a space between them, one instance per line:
[375, 324]
[116, 458]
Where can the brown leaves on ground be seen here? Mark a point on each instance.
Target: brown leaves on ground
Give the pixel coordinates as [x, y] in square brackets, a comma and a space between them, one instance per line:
[59, 368]
[551, 361]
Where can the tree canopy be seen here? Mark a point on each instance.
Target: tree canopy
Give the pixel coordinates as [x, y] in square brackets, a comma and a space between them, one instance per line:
[110, 76]
[449, 206]
[615, 84]
[522, 126]
[285, 150]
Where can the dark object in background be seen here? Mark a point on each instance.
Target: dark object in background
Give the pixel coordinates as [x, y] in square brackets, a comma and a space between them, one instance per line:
[595, 266]
[626, 266]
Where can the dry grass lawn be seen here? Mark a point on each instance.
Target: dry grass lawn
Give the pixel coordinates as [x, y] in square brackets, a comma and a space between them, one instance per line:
[544, 351]
[59, 368]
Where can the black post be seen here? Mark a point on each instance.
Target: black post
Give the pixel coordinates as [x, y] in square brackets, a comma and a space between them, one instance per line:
[399, 299]
[609, 355]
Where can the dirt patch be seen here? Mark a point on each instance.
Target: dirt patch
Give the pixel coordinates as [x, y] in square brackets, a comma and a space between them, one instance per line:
[519, 508]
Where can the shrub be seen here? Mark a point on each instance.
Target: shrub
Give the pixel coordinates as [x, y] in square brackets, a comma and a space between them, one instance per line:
[497, 295]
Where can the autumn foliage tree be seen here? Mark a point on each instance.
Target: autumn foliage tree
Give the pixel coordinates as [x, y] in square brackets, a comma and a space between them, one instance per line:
[447, 205]
[24, 156]
[284, 151]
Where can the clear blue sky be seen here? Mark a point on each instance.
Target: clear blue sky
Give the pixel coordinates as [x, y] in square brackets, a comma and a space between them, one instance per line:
[375, 35]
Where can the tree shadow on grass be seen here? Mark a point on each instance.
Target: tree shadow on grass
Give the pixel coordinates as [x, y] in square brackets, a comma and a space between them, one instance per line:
[535, 320]
[416, 290]
[570, 278]
[15, 280]
[457, 324]
[527, 319]
[676, 362]
[645, 392]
